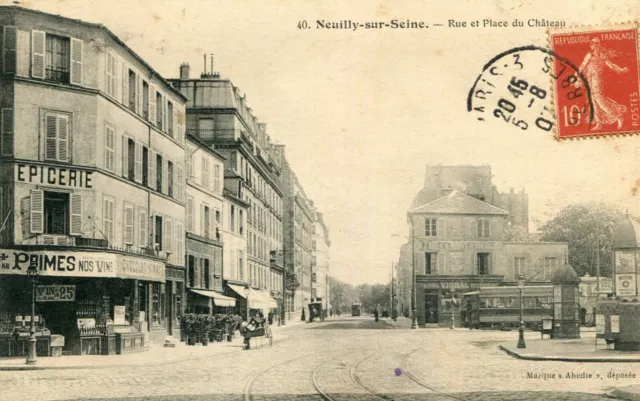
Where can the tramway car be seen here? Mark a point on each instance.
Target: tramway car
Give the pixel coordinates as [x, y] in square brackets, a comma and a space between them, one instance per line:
[355, 309]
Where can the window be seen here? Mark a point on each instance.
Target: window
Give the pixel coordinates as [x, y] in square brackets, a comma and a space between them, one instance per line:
[191, 220]
[483, 263]
[169, 178]
[170, 119]
[192, 270]
[6, 132]
[109, 148]
[157, 237]
[218, 218]
[159, 110]
[9, 49]
[232, 218]
[159, 173]
[145, 166]
[133, 89]
[206, 222]
[108, 217]
[430, 260]
[206, 274]
[550, 265]
[518, 266]
[57, 59]
[145, 100]
[313, 245]
[241, 265]
[56, 213]
[240, 222]
[56, 137]
[131, 159]
[430, 227]
[111, 75]
[483, 228]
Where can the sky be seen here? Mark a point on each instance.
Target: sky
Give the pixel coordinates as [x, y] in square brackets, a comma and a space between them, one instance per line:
[362, 113]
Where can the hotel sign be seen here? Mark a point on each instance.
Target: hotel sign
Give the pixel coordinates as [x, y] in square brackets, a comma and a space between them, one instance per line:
[81, 264]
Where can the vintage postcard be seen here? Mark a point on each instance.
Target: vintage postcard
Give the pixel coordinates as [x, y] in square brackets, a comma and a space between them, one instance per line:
[319, 200]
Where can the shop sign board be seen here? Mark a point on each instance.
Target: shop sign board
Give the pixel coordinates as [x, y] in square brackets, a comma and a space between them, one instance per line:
[452, 285]
[86, 323]
[625, 285]
[119, 312]
[459, 245]
[55, 293]
[54, 176]
[81, 264]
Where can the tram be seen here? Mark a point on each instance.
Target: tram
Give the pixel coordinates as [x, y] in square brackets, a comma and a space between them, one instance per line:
[356, 309]
[499, 307]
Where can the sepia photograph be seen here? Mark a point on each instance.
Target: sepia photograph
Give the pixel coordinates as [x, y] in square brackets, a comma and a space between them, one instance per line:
[319, 200]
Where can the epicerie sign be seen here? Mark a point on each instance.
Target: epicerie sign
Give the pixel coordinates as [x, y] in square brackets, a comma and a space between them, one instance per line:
[80, 264]
[55, 293]
[55, 176]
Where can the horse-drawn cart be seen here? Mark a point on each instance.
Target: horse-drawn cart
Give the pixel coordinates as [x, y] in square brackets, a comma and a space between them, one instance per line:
[256, 328]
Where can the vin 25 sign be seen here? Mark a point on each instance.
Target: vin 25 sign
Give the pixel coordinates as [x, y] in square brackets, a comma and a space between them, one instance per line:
[55, 293]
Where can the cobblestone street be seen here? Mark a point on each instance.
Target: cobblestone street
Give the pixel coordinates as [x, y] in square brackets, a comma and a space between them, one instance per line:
[348, 359]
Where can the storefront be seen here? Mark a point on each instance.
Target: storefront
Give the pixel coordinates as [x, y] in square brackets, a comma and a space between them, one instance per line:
[101, 302]
[258, 300]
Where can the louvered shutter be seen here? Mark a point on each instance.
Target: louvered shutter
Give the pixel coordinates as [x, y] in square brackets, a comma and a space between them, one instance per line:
[152, 169]
[190, 216]
[125, 156]
[36, 208]
[179, 250]
[117, 73]
[109, 152]
[152, 105]
[63, 138]
[440, 265]
[138, 159]
[142, 221]
[490, 262]
[165, 114]
[10, 36]
[51, 137]
[38, 43]
[179, 183]
[441, 228]
[107, 74]
[77, 59]
[189, 162]
[139, 107]
[165, 176]
[474, 267]
[128, 224]
[75, 216]
[168, 234]
[6, 136]
[202, 221]
[125, 85]
[176, 123]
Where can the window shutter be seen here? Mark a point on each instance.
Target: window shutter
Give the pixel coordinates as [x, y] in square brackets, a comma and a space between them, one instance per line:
[189, 162]
[441, 228]
[165, 117]
[474, 267]
[152, 169]
[10, 39]
[36, 208]
[63, 138]
[51, 136]
[109, 152]
[38, 43]
[138, 159]
[125, 156]
[77, 58]
[75, 215]
[179, 183]
[440, 266]
[125, 85]
[128, 224]
[117, 73]
[152, 105]
[202, 221]
[165, 176]
[190, 216]
[167, 234]
[176, 123]
[6, 136]
[142, 217]
[139, 95]
[179, 241]
[490, 263]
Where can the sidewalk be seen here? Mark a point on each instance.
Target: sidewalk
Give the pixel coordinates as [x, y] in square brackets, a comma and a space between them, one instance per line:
[580, 350]
[156, 355]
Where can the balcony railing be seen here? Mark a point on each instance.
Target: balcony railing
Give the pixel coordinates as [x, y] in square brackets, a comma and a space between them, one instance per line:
[57, 75]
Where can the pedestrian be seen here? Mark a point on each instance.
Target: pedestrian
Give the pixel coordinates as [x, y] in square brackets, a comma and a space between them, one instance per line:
[270, 318]
[375, 314]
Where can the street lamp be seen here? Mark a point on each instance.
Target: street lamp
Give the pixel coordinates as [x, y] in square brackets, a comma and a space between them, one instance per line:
[521, 343]
[414, 317]
[453, 310]
[247, 291]
[32, 274]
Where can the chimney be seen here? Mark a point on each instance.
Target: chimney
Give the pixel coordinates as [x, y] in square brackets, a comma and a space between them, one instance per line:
[184, 71]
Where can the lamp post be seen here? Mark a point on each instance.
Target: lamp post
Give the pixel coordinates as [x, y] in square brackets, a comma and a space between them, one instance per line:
[247, 291]
[32, 273]
[521, 343]
[414, 310]
[453, 311]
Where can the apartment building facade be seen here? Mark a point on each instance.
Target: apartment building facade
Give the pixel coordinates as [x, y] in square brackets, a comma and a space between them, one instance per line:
[91, 179]
[320, 261]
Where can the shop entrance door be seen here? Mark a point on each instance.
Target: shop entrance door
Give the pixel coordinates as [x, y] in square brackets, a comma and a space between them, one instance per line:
[431, 308]
[169, 306]
[60, 318]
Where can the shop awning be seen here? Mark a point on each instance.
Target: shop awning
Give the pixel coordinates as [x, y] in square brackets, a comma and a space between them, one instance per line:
[257, 299]
[218, 299]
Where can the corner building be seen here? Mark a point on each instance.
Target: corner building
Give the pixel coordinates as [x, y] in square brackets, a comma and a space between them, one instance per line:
[458, 243]
[91, 184]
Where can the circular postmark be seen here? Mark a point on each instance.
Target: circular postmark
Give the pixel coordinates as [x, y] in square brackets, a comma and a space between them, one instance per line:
[518, 87]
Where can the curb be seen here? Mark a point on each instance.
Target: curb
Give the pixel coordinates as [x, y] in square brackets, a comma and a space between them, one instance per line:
[625, 395]
[566, 359]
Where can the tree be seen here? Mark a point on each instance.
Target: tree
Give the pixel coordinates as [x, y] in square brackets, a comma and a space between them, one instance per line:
[586, 227]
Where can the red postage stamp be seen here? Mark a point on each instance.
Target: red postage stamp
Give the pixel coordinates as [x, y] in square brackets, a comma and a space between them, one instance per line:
[606, 86]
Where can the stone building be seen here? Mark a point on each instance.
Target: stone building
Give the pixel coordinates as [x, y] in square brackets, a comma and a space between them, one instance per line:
[91, 182]
[457, 243]
[320, 261]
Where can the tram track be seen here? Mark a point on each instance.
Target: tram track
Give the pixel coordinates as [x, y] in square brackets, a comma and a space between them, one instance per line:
[414, 378]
